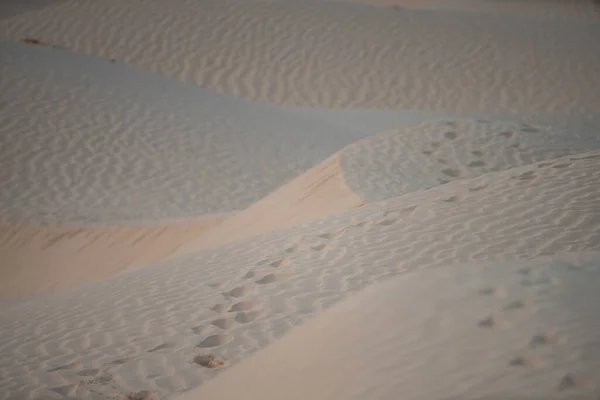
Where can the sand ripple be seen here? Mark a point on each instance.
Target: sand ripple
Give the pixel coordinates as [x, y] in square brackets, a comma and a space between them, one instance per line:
[145, 330]
[337, 55]
[400, 161]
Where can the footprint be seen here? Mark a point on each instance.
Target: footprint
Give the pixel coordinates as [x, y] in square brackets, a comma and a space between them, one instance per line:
[199, 329]
[279, 262]
[250, 275]
[442, 161]
[409, 210]
[242, 306]
[519, 146]
[529, 360]
[494, 321]
[451, 172]
[454, 199]
[436, 145]
[89, 372]
[427, 152]
[360, 224]
[215, 285]
[224, 323]
[239, 291]
[544, 164]
[478, 188]
[270, 278]
[209, 361]
[451, 135]
[332, 235]
[142, 395]
[159, 347]
[453, 124]
[442, 181]
[529, 129]
[527, 176]
[74, 365]
[125, 360]
[565, 165]
[220, 308]
[478, 163]
[518, 305]
[248, 316]
[573, 382]
[318, 247]
[552, 338]
[387, 222]
[524, 271]
[507, 134]
[216, 340]
[67, 390]
[496, 291]
[478, 153]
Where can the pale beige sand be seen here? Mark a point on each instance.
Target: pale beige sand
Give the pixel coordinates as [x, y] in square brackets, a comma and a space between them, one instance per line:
[38, 259]
[518, 330]
[319, 192]
[324, 54]
[148, 329]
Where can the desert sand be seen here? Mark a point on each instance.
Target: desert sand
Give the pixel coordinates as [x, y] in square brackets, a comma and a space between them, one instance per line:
[286, 199]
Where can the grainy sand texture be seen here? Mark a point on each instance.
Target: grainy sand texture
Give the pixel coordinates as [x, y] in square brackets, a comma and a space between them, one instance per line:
[285, 199]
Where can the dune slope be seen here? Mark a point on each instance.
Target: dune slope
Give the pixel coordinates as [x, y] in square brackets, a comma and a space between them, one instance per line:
[153, 329]
[508, 330]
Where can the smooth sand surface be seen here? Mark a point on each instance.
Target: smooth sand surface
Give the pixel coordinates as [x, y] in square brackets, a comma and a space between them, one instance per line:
[154, 329]
[524, 330]
[38, 259]
[317, 193]
[329, 54]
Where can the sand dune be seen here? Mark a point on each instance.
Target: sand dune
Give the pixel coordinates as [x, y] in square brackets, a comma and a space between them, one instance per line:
[319, 192]
[424, 155]
[523, 330]
[38, 259]
[337, 55]
[86, 141]
[154, 329]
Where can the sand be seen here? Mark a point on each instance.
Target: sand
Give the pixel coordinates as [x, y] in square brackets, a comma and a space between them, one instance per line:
[329, 54]
[38, 259]
[231, 301]
[523, 330]
[185, 183]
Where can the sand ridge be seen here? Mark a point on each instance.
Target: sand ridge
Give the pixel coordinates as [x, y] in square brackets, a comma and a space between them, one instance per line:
[105, 143]
[231, 301]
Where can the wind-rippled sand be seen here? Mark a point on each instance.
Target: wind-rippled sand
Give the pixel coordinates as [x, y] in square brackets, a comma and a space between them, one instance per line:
[474, 188]
[145, 330]
[327, 54]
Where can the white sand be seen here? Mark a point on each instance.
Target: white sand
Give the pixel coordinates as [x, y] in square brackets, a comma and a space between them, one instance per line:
[236, 299]
[338, 55]
[525, 330]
